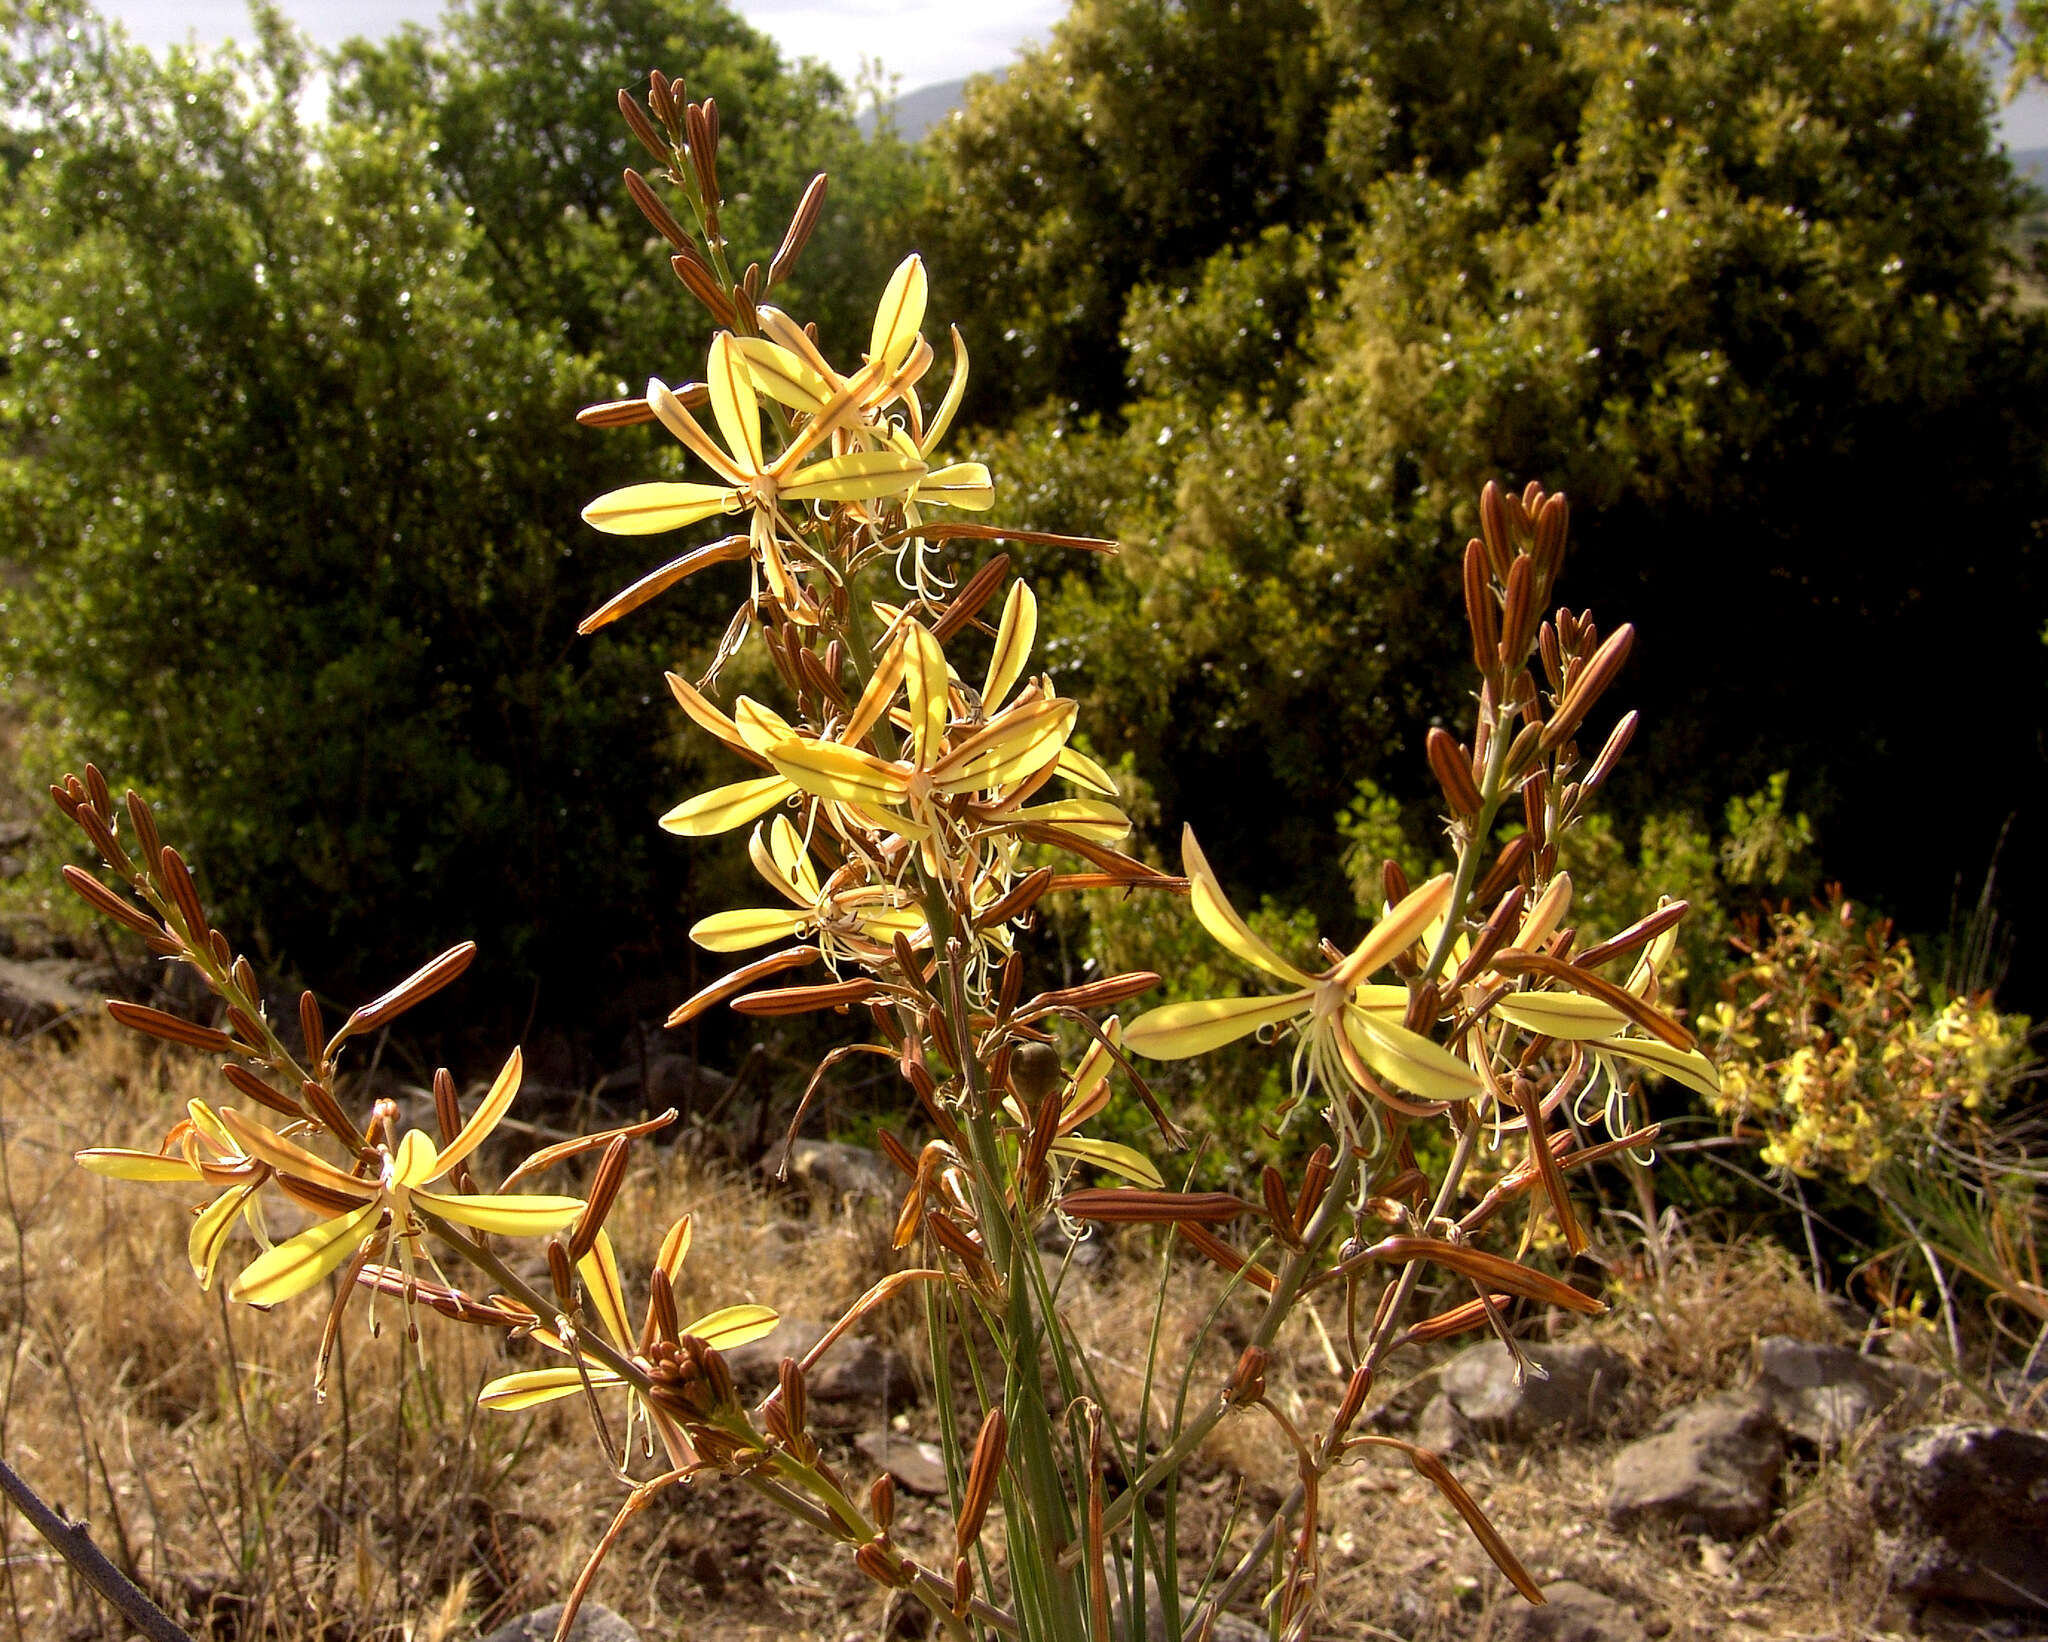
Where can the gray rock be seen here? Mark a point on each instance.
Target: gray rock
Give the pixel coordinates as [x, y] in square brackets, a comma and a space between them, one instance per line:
[1710, 1468]
[1584, 1376]
[1229, 1627]
[839, 1170]
[35, 993]
[672, 1080]
[1822, 1393]
[13, 834]
[1570, 1613]
[594, 1623]
[917, 1466]
[756, 1363]
[1962, 1513]
[1441, 1428]
[858, 1370]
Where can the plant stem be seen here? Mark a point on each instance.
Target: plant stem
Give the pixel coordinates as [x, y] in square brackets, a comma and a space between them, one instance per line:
[75, 1545]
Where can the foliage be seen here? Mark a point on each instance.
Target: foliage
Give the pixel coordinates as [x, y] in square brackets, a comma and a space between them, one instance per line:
[1746, 305]
[1834, 1051]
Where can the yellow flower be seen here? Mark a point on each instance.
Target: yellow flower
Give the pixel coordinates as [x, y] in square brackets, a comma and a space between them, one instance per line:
[850, 915]
[724, 1329]
[206, 1154]
[362, 1209]
[1348, 1031]
[750, 481]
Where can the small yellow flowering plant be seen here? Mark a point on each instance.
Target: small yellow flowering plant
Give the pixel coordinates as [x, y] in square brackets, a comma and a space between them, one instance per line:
[915, 792]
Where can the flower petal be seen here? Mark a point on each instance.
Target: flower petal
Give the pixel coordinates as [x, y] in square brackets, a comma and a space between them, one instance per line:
[732, 1326]
[507, 1215]
[1179, 1030]
[745, 927]
[1015, 635]
[210, 1232]
[288, 1159]
[1083, 771]
[1398, 930]
[899, 314]
[1409, 1059]
[724, 808]
[118, 1164]
[485, 1118]
[510, 1393]
[649, 509]
[1686, 1066]
[843, 773]
[959, 484]
[1560, 1015]
[1221, 919]
[924, 690]
[782, 375]
[600, 1272]
[1015, 744]
[296, 1264]
[1117, 1159]
[854, 477]
[734, 404]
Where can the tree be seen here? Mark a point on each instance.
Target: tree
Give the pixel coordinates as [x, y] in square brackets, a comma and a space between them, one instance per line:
[1750, 317]
[299, 497]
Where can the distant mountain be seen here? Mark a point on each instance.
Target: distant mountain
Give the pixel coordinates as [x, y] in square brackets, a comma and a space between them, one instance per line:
[2031, 163]
[916, 112]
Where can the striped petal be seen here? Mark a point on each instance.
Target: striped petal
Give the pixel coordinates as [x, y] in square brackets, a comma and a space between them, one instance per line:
[508, 1216]
[1397, 931]
[854, 477]
[1408, 1059]
[649, 509]
[1221, 920]
[1686, 1066]
[1019, 743]
[782, 375]
[117, 1164]
[1083, 771]
[1015, 635]
[510, 1393]
[600, 1272]
[732, 1326]
[1560, 1015]
[724, 808]
[843, 773]
[899, 314]
[1118, 1160]
[734, 404]
[924, 689]
[964, 485]
[1179, 1030]
[745, 927]
[485, 1118]
[210, 1230]
[296, 1264]
[288, 1159]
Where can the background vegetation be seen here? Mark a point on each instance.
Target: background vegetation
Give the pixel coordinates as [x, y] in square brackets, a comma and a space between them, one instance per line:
[290, 480]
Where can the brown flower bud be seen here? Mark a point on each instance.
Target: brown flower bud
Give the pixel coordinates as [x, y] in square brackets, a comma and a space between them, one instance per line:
[103, 900]
[562, 1274]
[882, 1501]
[1493, 530]
[656, 210]
[963, 1587]
[604, 1191]
[178, 882]
[246, 1083]
[1481, 616]
[1590, 685]
[414, 990]
[1131, 1205]
[325, 1108]
[699, 281]
[1506, 868]
[1451, 765]
[881, 1565]
[1518, 617]
[643, 128]
[1355, 1392]
[661, 1306]
[793, 1393]
[156, 1024]
[808, 210]
[983, 1473]
[143, 822]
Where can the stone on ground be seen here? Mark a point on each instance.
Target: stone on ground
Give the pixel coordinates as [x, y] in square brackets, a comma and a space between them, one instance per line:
[839, 1170]
[1583, 1377]
[1710, 1468]
[1570, 1613]
[1823, 1393]
[594, 1623]
[917, 1466]
[1962, 1513]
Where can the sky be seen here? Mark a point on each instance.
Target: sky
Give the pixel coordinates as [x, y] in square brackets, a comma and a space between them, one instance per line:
[920, 42]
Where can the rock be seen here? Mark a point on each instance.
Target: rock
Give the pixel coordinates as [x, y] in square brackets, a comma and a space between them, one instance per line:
[918, 1466]
[1822, 1393]
[34, 995]
[1709, 1469]
[1962, 1513]
[1570, 1613]
[594, 1623]
[841, 1170]
[1229, 1627]
[13, 834]
[1441, 1428]
[757, 1363]
[12, 866]
[857, 1370]
[1584, 1375]
[672, 1080]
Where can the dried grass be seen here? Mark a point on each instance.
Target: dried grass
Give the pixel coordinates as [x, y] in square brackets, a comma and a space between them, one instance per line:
[395, 1511]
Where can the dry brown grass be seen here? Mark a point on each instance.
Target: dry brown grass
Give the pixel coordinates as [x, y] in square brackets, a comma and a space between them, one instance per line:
[396, 1511]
